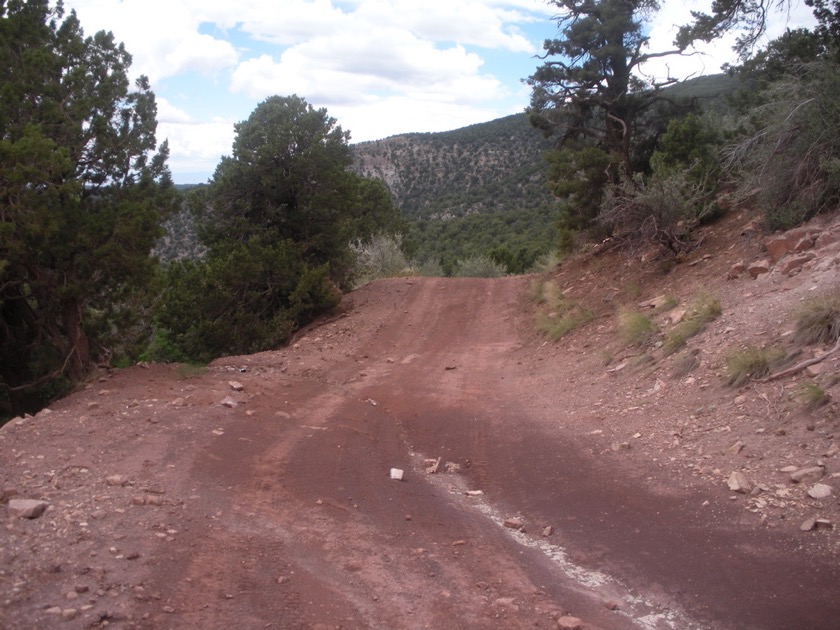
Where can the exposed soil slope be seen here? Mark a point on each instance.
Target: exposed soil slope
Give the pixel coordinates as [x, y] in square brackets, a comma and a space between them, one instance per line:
[257, 494]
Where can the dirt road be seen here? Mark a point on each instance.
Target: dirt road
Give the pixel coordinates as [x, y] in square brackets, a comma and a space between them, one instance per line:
[258, 494]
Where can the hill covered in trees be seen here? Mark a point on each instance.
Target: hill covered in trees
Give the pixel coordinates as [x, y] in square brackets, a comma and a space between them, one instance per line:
[495, 166]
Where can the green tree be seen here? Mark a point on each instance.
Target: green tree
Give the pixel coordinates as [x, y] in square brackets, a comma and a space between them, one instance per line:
[586, 88]
[588, 93]
[280, 214]
[82, 193]
[827, 13]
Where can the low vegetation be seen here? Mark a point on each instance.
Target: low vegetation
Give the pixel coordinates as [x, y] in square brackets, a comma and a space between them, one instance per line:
[752, 363]
[381, 256]
[479, 266]
[559, 315]
[703, 310]
[818, 321]
[635, 328]
[685, 363]
[813, 396]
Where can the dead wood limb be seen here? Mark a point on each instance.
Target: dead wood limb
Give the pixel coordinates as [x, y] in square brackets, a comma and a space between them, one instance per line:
[801, 366]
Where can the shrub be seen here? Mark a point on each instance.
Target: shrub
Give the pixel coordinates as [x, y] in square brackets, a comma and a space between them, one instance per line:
[634, 328]
[538, 291]
[479, 266]
[662, 208]
[791, 158]
[819, 320]
[561, 315]
[191, 370]
[813, 396]
[379, 257]
[690, 144]
[548, 261]
[704, 309]
[752, 363]
[557, 325]
[685, 363]
[428, 267]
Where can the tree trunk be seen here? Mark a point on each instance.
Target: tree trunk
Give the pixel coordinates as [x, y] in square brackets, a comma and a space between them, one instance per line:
[78, 362]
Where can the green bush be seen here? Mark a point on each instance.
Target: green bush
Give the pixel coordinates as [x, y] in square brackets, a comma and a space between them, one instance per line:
[560, 315]
[813, 396]
[428, 267]
[379, 257]
[689, 145]
[246, 299]
[556, 325]
[819, 320]
[789, 161]
[752, 363]
[479, 266]
[702, 311]
[635, 329]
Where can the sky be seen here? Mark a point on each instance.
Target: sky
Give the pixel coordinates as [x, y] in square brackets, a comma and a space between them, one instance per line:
[379, 67]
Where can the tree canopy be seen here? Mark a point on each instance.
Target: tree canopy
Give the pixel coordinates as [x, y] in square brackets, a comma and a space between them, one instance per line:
[589, 85]
[278, 219]
[588, 92]
[82, 192]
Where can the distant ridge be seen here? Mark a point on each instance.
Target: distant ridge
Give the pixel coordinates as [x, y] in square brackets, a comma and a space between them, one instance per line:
[495, 166]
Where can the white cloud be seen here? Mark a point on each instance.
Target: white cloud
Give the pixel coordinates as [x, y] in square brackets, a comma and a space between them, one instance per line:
[381, 67]
[404, 114]
[708, 58]
[349, 69]
[161, 35]
[196, 147]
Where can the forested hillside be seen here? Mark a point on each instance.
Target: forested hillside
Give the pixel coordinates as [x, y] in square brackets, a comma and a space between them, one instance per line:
[490, 167]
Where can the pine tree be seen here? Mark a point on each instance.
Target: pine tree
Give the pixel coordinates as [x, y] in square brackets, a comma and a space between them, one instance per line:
[81, 194]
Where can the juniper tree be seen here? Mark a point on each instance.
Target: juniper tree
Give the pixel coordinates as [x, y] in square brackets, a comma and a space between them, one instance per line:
[82, 191]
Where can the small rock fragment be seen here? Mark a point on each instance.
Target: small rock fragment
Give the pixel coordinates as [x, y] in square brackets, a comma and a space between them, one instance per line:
[229, 402]
[808, 525]
[397, 474]
[27, 508]
[820, 491]
[759, 267]
[548, 530]
[738, 482]
[236, 386]
[569, 623]
[115, 480]
[813, 473]
[514, 522]
[737, 447]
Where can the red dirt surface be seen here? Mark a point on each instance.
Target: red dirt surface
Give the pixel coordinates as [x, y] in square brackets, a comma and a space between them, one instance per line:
[170, 509]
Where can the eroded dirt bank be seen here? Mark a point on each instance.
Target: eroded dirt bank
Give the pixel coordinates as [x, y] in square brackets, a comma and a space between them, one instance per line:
[257, 494]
